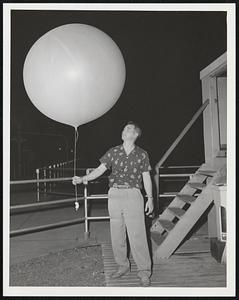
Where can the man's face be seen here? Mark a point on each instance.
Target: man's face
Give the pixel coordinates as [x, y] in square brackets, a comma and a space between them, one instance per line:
[129, 133]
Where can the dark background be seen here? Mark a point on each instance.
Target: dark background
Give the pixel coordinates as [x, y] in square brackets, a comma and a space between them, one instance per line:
[164, 53]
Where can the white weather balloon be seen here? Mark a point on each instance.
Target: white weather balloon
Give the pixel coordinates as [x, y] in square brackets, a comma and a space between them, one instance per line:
[74, 73]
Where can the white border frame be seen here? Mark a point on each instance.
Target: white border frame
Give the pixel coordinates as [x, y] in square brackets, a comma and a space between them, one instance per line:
[108, 291]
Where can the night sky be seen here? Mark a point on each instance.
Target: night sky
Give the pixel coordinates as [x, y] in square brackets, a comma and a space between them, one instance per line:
[164, 53]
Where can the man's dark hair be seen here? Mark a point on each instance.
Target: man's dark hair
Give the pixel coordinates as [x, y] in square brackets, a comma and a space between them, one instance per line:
[137, 128]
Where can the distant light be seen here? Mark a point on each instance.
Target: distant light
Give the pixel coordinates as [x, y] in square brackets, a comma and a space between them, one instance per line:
[59, 148]
[71, 150]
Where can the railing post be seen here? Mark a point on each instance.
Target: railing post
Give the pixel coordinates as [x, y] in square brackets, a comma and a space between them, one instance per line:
[50, 178]
[57, 170]
[61, 175]
[54, 174]
[87, 233]
[44, 176]
[156, 178]
[38, 187]
[62, 172]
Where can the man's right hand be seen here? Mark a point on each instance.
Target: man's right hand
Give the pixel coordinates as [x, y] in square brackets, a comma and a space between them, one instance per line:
[76, 180]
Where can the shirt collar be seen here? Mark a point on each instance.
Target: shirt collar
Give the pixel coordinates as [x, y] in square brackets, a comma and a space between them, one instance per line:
[133, 151]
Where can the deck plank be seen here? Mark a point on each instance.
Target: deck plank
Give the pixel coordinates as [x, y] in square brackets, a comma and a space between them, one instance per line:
[180, 270]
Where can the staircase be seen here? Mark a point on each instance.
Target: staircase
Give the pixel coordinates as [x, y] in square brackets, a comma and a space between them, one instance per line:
[171, 227]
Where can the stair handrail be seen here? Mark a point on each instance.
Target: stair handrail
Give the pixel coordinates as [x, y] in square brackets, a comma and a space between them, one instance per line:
[176, 142]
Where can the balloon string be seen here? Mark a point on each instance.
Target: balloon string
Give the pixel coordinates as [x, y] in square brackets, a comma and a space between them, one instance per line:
[76, 138]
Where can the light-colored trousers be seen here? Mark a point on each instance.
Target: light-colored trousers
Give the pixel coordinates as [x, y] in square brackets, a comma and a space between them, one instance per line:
[126, 210]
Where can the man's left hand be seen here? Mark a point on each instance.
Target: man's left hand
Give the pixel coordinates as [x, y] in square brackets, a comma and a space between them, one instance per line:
[149, 207]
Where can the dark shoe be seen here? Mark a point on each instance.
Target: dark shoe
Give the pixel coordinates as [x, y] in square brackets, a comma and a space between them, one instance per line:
[120, 273]
[145, 281]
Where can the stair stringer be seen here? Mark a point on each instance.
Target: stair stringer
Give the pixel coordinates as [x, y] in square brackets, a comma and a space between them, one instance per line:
[185, 224]
[186, 189]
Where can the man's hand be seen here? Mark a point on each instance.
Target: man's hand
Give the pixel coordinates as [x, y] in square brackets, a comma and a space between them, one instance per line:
[76, 180]
[149, 207]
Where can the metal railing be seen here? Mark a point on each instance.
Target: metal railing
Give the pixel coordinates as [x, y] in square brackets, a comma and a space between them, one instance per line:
[175, 143]
[175, 175]
[53, 172]
[23, 208]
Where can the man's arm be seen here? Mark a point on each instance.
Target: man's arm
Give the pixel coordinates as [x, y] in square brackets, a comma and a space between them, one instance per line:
[93, 175]
[149, 206]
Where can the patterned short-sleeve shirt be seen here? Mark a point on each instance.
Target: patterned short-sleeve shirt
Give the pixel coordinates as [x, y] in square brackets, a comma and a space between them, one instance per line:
[126, 169]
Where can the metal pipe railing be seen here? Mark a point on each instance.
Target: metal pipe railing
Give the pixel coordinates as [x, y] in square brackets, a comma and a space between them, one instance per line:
[179, 167]
[86, 212]
[176, 175]
[181, 135]
[39, 180]
[171, 194]
[98, 218]
[176, 142]
[38, 185]
[59, 224]
[15, 208]
[45, 227]
[50, 177]
[24, 207]
[66, 169]
[103, 196]
[45, 187]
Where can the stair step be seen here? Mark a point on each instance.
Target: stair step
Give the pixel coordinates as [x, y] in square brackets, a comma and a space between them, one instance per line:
[186, 198]
[183, 220]
[167, 225]
[157, 237]
[206, 172]
[177, 211]
[197, 185]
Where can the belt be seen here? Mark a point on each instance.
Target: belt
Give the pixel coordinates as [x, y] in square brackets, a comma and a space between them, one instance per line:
[121, 186]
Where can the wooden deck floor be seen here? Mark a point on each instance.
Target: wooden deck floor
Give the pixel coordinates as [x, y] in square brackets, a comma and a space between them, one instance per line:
[183, 269]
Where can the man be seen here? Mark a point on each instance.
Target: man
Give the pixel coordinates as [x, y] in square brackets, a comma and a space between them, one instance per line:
[130, 164]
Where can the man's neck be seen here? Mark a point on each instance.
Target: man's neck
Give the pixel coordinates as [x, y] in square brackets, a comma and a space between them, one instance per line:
[128, 145]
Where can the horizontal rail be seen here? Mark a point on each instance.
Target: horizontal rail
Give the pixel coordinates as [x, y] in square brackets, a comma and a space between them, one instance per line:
[171, 194]
[63, 168]
[175, 175]
[51, 168]
[42, 204]
[98, 218]
[103, 196]
[178, 167]
[40, 180]
[27, 181]
[45, 227]
[15, 208]
[24, 207]
[60, 193]
[168, 195]
[63, 162]
[66, 169]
